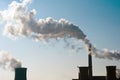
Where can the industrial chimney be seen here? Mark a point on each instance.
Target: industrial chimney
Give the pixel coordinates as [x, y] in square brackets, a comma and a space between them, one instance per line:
[111, 72]
[20, 73]
[90, 63]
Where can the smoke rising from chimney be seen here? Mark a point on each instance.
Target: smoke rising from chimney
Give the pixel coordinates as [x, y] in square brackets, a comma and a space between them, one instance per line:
[118, 73]
[20, 22]
[8, 62]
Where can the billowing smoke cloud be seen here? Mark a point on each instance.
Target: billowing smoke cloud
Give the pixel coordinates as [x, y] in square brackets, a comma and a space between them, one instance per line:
[8, 62]
[20, 22]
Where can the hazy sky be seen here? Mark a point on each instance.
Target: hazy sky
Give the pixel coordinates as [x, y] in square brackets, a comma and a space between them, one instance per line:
[98, 19]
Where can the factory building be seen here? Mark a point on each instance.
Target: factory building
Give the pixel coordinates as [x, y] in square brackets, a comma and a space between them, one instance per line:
[85, 73]
[21, 73]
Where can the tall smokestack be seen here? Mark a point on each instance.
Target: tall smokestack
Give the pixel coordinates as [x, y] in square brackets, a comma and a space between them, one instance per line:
[90, 63]
[20, 73]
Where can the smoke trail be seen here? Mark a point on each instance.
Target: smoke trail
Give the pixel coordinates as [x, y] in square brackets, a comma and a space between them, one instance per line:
[118, 73]
[20, 22]
[8, 62]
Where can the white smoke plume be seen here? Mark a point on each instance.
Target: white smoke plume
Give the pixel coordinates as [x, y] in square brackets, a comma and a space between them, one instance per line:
[118, 73]
[8, 62]
[21, 22]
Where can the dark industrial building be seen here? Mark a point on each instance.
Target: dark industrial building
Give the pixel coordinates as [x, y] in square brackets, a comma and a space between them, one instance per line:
[85, 73]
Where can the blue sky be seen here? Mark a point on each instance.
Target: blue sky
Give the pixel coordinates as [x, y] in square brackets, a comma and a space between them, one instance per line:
[98, 19]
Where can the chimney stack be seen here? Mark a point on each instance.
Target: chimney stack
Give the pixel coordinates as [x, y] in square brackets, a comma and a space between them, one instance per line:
[111, 72]
[20, 73]
[90, 63]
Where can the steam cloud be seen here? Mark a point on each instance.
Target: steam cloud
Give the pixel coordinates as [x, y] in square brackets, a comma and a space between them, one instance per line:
[8, 62]
[20, 22]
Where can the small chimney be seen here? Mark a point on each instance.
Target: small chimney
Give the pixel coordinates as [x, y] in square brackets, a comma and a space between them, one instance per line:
[111, 72]
[20, 73]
